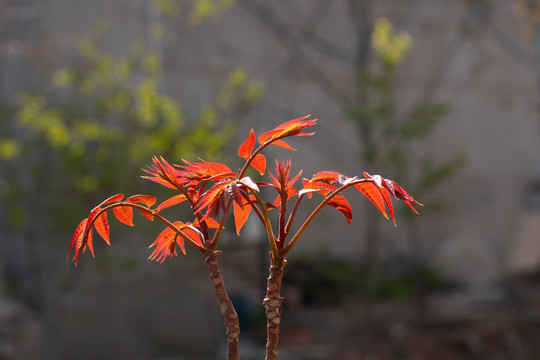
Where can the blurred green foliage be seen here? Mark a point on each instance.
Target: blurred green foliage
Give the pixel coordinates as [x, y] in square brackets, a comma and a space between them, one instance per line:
[391, 139]
[203, 9]
[96, 123]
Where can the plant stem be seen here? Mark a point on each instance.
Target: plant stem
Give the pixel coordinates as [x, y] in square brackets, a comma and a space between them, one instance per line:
[225, 305]
[272, 304]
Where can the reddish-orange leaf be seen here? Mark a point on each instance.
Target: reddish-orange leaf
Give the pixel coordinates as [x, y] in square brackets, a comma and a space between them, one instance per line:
[282, 144]
[204, 170]
[124, 214]
[213, 194]
[330, 177]
[165, 244]
[247, 146]
[211, 223]
[241, 214]
[180, 242]
[400, 193]
[388, 202]
[89, 243]
[290, 128]
[146, 200]
[340, 203]
[77, 234]
[102, 227]
[259, 163]
[372, 192]
[315, 186]
[112, 199]
[171, 201]
[93, 213]
[168, 238]
[192, 233]
[159, 181]
[163, 173]
[147, 215]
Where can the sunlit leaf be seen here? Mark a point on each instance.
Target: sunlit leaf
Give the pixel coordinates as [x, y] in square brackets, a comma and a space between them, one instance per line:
[247, 146]
[241, 214]
[211, 197]
[165, 244]
[259, 163]
[164, 174]
[211, 223]
[78, 233]
[341, 204]
[316, 186]
[171, 201]
[124, 214]
[204, 170]
[282, 144]
[329, 177]
[89, 243]
[193, 233]
[102, 227]
[146, 200]
[114, 198]
[290, 128]
[373, 193]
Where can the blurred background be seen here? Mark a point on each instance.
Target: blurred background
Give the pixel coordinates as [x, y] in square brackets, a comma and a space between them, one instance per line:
[441, 96]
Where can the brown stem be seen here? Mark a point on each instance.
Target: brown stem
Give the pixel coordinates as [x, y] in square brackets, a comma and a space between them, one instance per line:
[225, 305]
[272, 304]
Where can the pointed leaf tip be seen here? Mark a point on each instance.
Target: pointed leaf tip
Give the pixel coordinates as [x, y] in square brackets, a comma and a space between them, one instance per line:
[247, 146]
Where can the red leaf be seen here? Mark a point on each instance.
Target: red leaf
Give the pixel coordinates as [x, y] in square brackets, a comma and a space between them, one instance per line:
[77, 234]
[373, 193]
[163, 173]
[210, 197]
[247, 146]
[211, 223]
[112, 199]
[93, 213]
[290, 128]
[191, 233]
[259, 163]
[282, 144]
[330, 177]
[124, 214]
[340, 203]
[165, 244]
[89, 243]
[320, 187]
[171, 201]
[159, 181]
[168, 238]
[102, 227]
[400, 193]
[204, 170]
[241, 214]
[146, 200]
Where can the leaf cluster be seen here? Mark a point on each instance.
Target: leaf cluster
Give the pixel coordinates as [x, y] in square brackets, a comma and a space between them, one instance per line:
[211, 188]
